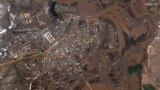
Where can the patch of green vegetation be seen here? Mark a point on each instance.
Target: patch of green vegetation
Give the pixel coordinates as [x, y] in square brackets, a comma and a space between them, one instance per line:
[134, 69]
[147, 87]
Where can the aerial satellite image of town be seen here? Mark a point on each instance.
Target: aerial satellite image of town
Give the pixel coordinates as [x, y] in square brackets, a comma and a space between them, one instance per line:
[79, 44]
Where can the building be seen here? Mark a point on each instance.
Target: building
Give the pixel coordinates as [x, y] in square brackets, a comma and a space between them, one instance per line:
[47, 35]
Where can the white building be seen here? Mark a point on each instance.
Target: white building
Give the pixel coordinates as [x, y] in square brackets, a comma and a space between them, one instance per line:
[49, 37]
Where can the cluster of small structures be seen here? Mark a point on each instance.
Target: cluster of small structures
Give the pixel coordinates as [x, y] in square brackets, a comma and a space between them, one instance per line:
[53, 45]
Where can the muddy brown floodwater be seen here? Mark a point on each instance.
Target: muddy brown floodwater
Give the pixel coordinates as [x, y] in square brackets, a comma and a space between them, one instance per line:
[79, 45]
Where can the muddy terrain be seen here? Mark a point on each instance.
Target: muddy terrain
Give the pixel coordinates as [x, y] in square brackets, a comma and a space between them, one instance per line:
[79, 44]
